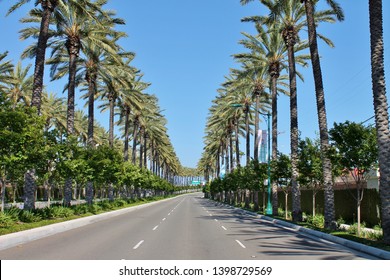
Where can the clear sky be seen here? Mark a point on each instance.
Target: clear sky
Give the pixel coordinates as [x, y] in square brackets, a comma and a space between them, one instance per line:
[184, 49]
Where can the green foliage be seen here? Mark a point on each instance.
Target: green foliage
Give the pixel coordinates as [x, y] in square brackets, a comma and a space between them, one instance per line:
[60, 212]
[250, 177]
[29, 217]
[6, 220]
[281, 170]
[317, 220]
[120, 203]
[80, 209]
[21, 140]
[356, 146]
[340, 221]
[310, 163]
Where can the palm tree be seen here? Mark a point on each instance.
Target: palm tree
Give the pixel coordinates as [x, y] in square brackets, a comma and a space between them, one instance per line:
[6, 69]
[20, 86]
[330, 222]
[54, 110]
[381, 110]
[45, 15]
[288, 17]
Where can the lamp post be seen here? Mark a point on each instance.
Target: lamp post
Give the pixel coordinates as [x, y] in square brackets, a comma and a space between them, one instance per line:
[268, 210]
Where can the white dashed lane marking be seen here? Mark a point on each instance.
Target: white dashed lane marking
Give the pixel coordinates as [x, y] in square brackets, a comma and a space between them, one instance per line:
[138, 244]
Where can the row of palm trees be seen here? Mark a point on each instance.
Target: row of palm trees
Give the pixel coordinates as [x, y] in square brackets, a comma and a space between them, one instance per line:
[267, 69]
[85, 48]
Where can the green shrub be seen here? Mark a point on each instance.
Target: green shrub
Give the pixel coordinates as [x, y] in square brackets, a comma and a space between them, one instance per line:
[340, 221]
[13, 213]
[29, 217]
[317, 220]
[6, 220]
[372, 235]
[81, 209]
[353, 229]
[120, 203]
[106, 205]
[61, 212]
[94, 208]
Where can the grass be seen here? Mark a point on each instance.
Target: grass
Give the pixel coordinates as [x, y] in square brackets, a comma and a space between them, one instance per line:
[76, 212]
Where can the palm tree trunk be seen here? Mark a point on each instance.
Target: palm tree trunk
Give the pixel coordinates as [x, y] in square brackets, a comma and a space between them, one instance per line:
[145, 150]
[48, 8]
[111, 123]
[141, 146]
[274, 78]
[296, 196]
[329, 210]
[73, 53]
[29, 190]
[126, 148]
[248, 148]
[3, 189]
[89, 193]
[381, 111]
[135, 135]
[237, 143]
[231, 150]
[256, 138]
[73, 50]
[91, 79]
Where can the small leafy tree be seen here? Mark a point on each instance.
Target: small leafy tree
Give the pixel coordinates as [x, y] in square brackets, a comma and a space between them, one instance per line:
[21, 140]
[281, 174]
[310, 167]
[357, 154]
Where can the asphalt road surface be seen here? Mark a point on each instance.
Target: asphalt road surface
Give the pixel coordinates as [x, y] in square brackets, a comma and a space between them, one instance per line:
[188, 227]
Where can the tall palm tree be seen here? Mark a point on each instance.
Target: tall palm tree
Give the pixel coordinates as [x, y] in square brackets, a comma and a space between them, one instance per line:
[288, 17]
[48, 7]
[381, 110]
[74, 31]
[330, 222]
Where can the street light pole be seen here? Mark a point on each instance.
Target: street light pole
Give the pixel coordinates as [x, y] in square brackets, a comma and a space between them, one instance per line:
[268, 211]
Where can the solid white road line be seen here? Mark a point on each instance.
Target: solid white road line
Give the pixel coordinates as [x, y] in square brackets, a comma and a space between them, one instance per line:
[139, 244]
[239, 243]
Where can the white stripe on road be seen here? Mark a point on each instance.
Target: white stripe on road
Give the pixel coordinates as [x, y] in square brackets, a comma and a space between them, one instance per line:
[155, 227]
[239, 243]
[224, 228]
[164, 219]
[216, 220]
[139, 244]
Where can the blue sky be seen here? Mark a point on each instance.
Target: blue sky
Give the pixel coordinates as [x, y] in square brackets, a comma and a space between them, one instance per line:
[184, 49]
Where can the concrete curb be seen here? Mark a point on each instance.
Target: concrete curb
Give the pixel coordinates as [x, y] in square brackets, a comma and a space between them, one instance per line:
[382, 254]
[21, 237]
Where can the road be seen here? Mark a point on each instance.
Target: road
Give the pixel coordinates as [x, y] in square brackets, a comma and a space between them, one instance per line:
[188, 227]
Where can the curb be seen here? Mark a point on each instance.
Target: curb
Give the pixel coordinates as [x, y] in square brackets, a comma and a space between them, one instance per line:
[379, 253]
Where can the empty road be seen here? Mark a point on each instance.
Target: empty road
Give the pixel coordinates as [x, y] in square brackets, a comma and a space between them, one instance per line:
[188, 227]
